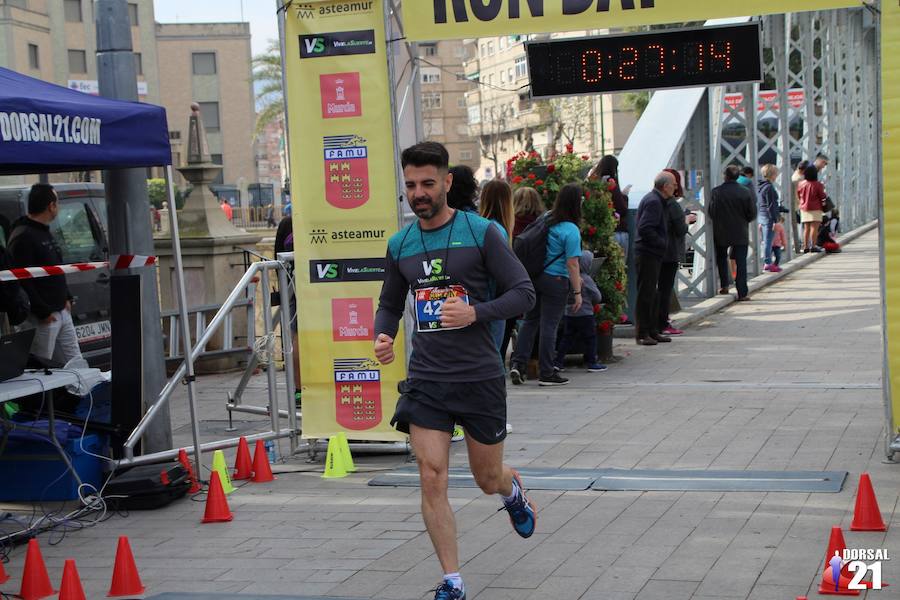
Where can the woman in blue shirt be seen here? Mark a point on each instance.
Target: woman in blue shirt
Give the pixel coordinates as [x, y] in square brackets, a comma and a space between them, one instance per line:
[561, 275]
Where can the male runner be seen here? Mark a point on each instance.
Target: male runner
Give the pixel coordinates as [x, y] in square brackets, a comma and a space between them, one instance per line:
[463, 275]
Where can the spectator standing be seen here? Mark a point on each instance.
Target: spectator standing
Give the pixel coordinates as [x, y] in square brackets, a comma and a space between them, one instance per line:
[552, 287]
[650, 244]
[13, 299]
[779, 241]
[811, 194]
[270, 216]
[226, 208]
[677, 228]
[580, 327]
[284, 242]
[528, 207]
[497, 206]
[797, 176]
[608, 170]
[732, 209]
[464, 190]
[746, 177]
[31, 244]
[821, 163]
[768, 212]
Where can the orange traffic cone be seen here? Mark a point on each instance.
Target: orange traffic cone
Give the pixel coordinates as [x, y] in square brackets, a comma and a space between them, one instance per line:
[243, 468]
[195, 483]
[217, 510]
[70, 588]
[125, 579]
[828, 588]
[3, 576]
[262, 471]
[35, 581]
[866, 515]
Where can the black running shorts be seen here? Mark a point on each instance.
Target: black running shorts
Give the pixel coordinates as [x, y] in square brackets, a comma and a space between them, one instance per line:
[479, 406]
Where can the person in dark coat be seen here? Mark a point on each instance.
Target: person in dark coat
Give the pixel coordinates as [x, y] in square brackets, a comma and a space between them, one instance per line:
[732, 209]
[650, 242]
[677, 227]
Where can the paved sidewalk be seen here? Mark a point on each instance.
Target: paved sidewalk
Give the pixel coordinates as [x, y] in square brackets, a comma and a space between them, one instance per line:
[790, 380]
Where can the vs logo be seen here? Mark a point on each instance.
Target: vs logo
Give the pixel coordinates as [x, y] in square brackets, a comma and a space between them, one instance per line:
[314, 45]
[327, 270]
[433, 267]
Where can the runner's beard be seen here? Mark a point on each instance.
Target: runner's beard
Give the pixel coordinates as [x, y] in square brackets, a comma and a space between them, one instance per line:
[426, 207]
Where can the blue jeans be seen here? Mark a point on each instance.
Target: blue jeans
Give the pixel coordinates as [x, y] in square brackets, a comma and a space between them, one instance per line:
[768, 234]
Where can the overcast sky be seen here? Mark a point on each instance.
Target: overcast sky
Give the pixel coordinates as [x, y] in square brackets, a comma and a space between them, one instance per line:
[260, 14]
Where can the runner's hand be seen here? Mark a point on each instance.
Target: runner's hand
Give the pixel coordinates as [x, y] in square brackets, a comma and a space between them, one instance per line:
[384, 349]
[456, 313]
[51, 318]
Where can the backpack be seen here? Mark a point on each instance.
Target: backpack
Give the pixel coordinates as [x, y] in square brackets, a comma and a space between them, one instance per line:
[530, 246]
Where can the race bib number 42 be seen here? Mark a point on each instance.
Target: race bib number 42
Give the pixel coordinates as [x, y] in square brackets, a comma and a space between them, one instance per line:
[430, 301]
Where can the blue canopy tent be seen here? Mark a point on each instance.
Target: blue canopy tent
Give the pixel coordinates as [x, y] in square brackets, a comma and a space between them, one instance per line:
[46, 128]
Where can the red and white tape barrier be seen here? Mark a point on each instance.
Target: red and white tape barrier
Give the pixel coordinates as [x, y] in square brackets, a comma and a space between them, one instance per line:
[124, 261]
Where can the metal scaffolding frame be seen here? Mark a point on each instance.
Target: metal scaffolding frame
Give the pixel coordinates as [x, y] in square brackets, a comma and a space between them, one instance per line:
[832, 56]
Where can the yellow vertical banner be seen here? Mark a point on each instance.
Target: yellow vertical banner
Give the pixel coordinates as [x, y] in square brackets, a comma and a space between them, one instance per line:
[344, 204]
[890, 110]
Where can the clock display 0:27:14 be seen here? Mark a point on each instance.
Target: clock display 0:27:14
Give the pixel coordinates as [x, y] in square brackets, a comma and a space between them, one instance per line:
[652, 60]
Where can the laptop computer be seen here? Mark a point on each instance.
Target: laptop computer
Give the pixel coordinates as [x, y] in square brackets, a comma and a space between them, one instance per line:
[14, 351]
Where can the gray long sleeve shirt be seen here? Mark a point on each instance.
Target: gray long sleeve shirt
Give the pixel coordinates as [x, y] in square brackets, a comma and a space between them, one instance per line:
[469, 256]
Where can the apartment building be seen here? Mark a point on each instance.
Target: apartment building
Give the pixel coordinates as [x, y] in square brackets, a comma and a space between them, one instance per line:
[55, 40]
[444, 111]
[209, 63]
[504, 118]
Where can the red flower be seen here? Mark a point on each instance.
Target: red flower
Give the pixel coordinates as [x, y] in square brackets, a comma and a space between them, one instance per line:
[596, 308]
[517, 179]
[592, 230]
[539, 183]
[623, 318]
[587, 193]
[585, 157]
[619, 286]
[570, 148]
[605, 326]
[532, 176]
[551, 168]
[610, 185]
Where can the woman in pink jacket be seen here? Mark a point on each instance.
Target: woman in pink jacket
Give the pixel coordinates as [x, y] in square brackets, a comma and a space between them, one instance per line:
[812, 196]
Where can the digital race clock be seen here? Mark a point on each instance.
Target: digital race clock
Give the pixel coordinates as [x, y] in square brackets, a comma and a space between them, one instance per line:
[653, 60]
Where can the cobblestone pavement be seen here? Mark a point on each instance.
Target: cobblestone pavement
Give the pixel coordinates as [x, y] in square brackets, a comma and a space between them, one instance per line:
[789, 381]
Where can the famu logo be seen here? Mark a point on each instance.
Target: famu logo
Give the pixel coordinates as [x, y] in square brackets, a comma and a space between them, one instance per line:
[491, 10]
[357, 393]
[307, 11]
[346, 170]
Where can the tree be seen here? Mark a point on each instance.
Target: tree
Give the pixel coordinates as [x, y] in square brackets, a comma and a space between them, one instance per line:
[570, 119]
[636, 102]
[267, 80]
[494, 123]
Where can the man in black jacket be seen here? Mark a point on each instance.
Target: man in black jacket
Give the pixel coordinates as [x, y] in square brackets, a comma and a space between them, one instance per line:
[732, 209]
[32, 245]
[650, 244]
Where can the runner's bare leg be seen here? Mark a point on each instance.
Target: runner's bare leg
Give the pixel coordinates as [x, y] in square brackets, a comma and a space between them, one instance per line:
[486, 462]
[432, 450]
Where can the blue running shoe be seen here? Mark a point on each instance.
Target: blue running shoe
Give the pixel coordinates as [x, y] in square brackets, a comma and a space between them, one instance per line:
[522, 513]
[445, 591]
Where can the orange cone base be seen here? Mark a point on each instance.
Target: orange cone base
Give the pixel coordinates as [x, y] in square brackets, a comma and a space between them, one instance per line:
[243, 466]
[125, 579]
[35, 581]
[70, 588]
[262, 470]
[826, 586]
[186, 463]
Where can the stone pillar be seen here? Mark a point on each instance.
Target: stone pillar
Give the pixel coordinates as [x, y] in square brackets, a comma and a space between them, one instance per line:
[210, 246]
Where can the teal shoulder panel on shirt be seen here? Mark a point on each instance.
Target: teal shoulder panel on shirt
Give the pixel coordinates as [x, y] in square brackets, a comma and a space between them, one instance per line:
[468, 230]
